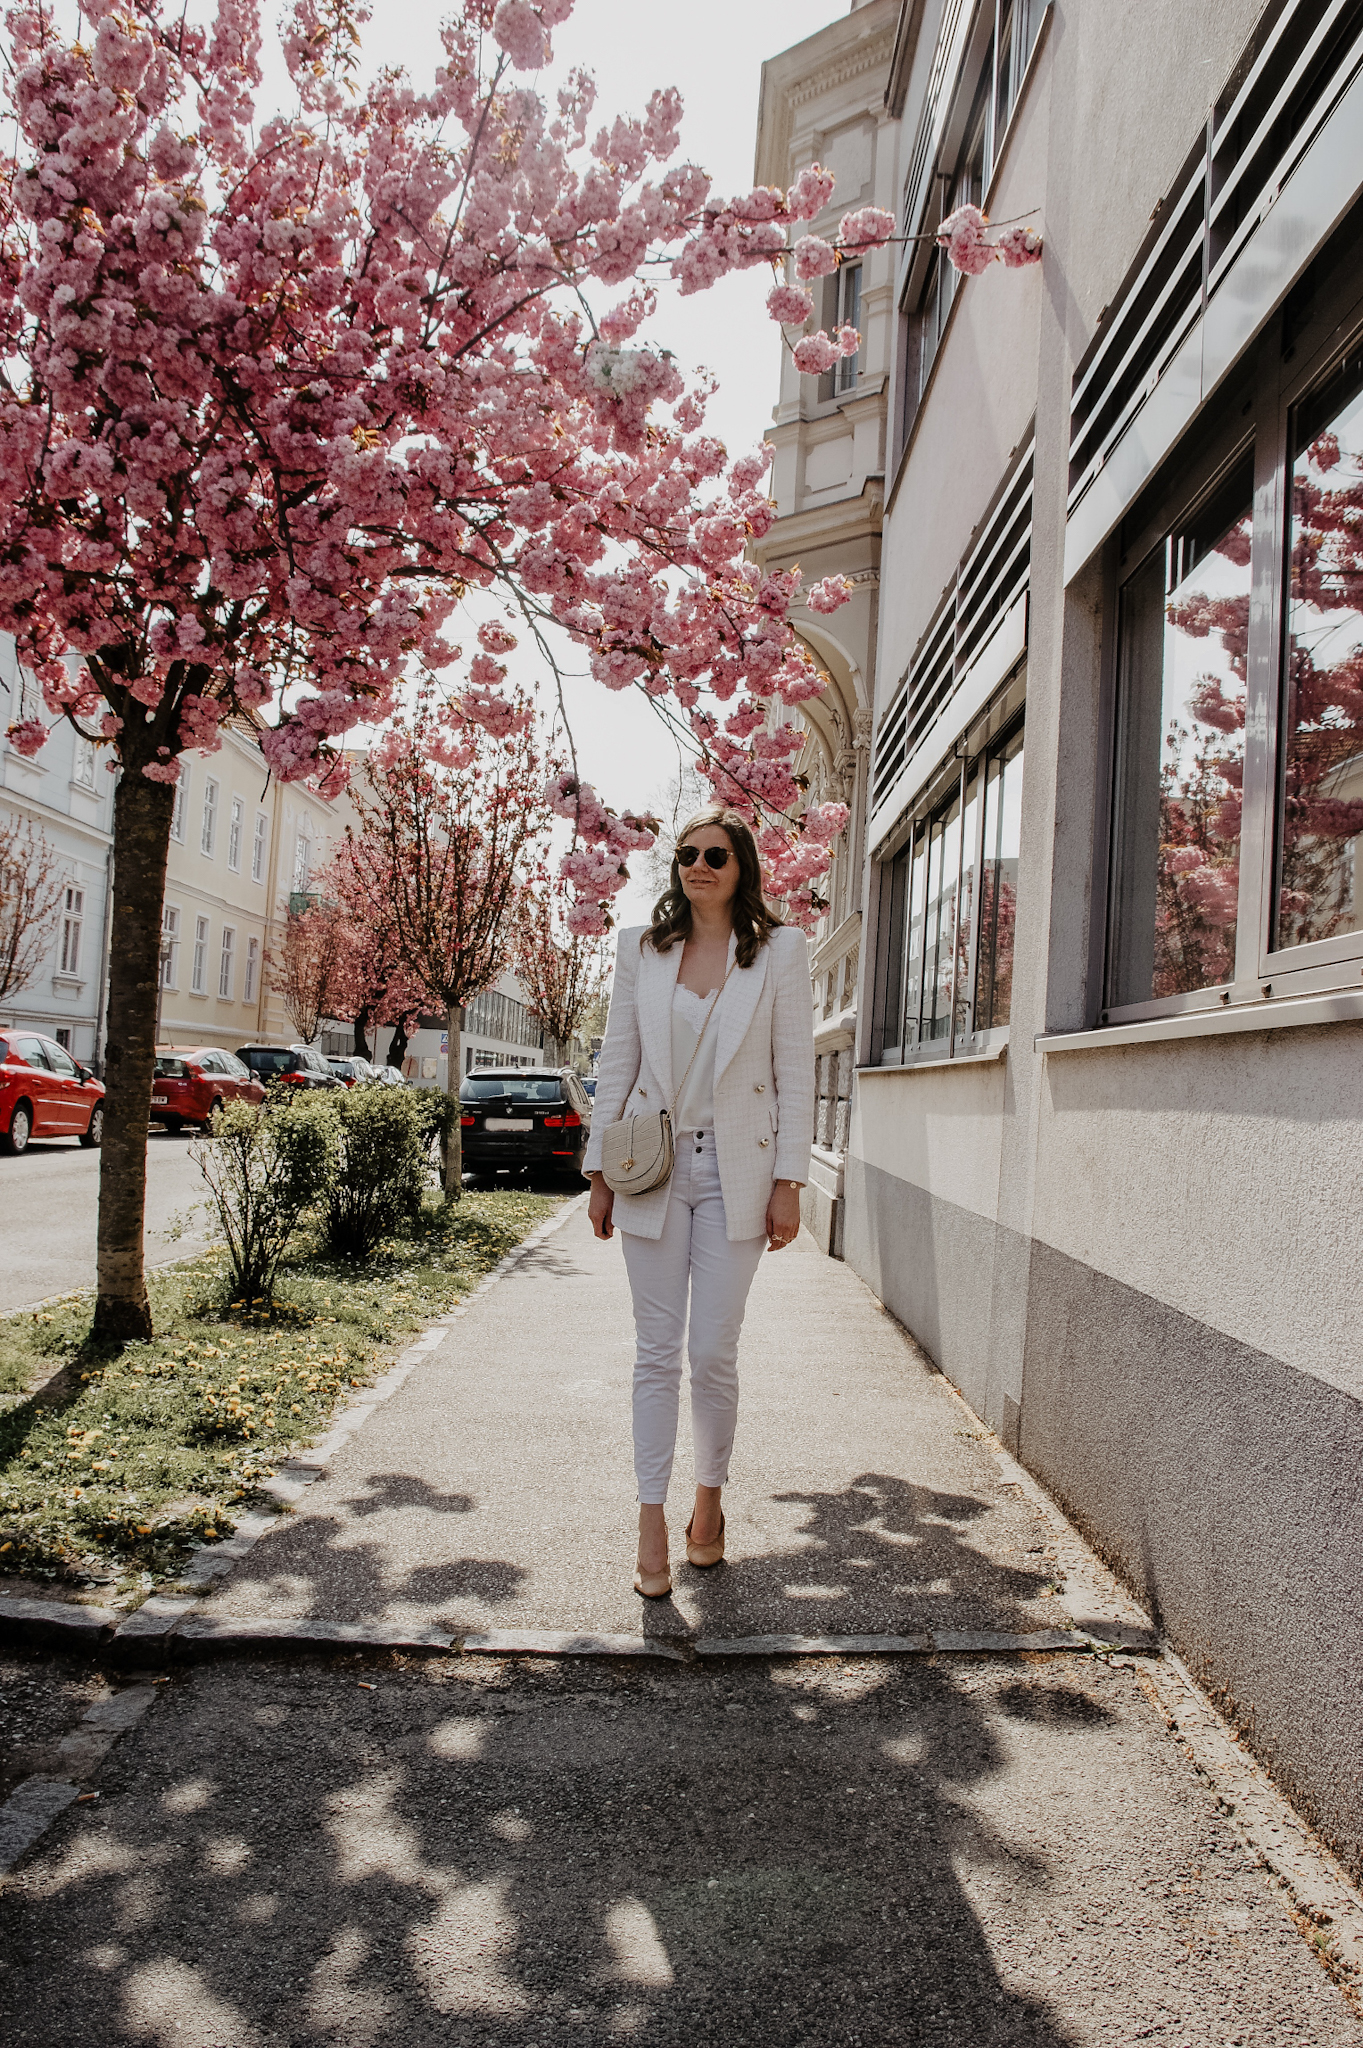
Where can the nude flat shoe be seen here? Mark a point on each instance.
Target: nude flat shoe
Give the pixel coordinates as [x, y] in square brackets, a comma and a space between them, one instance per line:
[703, 1555]
[653, 1585]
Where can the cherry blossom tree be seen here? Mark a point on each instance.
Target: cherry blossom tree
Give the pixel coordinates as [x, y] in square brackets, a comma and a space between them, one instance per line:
[276, 399]
[308, 973]
[564, 972]
[451, 830]
[31, 885]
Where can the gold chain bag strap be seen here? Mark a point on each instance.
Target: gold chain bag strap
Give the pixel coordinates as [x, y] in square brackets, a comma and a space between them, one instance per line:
[638, 1152]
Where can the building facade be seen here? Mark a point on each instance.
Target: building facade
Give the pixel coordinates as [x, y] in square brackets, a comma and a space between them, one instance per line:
[1106, 1121]
[65, 793]
[241, 847]
[824, 101]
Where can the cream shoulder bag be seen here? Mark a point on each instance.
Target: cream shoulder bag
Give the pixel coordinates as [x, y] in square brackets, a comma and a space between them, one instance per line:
[637, 1152]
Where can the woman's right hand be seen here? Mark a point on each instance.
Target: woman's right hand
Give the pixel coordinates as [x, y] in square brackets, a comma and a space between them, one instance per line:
[601, 1206]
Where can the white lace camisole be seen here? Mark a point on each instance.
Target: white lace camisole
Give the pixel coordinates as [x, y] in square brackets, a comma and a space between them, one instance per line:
[696, 1108]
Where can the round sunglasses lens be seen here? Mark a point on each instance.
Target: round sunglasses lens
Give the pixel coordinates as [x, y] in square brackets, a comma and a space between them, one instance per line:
[687, 856]
[716, 856]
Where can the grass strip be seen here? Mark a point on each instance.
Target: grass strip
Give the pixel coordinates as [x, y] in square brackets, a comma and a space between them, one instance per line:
[130, 1458]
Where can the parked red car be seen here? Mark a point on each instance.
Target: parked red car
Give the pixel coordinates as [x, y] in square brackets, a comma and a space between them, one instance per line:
[191, 1082]
[44, 1093]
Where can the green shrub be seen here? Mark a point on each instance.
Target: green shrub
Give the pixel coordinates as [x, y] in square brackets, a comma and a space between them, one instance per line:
[381, 1173]
[264, 1168]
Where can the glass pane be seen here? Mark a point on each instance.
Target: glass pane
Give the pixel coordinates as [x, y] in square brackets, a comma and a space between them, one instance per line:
[892, 992]
[913, 977]
[944, 852]
[998, 899]
[964, 1005]
[1180, 755]
[1320, 827]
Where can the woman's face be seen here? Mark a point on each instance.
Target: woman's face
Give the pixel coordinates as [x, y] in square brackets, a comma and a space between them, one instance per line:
[711, 888]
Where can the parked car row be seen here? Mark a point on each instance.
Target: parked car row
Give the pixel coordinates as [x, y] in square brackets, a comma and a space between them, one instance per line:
[514, 1118]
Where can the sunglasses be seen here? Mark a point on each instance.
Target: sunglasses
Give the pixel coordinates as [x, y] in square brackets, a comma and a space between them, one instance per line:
[715, 856]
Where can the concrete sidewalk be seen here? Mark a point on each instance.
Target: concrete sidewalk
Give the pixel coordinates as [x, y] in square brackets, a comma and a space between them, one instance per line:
[495, 1489]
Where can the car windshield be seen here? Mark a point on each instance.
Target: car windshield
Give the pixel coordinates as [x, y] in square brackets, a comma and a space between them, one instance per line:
[171, 1070]
[510, 1088]
[267, 1060]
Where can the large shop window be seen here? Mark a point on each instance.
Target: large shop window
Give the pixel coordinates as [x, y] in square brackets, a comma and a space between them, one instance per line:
[1240, 614]
[949, 908]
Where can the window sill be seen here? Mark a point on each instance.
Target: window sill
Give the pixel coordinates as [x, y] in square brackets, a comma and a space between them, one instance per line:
[1344, 1006]
[988, 1057]
[69, 984]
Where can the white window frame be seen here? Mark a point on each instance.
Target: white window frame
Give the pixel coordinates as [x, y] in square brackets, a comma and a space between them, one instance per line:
[209, 831]
[73, 917]
[177, 815]
[302, 859]
[258, 844]
[198, 972]
[83, 763]
[227, 962]
[248, 993]
[236, 818]
[170, 942]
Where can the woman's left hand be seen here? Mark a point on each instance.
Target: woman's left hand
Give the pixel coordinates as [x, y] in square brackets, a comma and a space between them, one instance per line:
[783, 1216]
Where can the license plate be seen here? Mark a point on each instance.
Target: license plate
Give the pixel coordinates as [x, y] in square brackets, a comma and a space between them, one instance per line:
[159, 1101]
[509, 1123]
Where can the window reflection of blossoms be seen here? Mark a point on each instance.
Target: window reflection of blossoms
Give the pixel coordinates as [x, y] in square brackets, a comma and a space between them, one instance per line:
[1321, 812]
[1185, 626]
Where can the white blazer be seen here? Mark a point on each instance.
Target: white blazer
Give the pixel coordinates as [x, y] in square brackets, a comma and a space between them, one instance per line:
[764, 1073]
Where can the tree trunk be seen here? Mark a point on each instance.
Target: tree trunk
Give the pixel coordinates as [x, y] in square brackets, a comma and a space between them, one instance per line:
[142, 814]
[397, 1044]
[454, 1135]
[361, 1048]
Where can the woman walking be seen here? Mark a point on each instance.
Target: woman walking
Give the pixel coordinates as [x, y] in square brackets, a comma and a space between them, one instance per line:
[711, 1019]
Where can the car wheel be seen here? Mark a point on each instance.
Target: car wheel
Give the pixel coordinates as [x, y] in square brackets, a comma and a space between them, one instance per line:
[93, 1138]
[20, 1129]
[214, 1107]
[173, 1124]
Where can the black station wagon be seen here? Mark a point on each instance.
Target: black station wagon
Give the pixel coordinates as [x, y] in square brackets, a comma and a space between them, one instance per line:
[525, 1120]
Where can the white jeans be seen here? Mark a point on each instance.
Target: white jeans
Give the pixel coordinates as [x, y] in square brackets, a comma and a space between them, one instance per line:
[693, 1252]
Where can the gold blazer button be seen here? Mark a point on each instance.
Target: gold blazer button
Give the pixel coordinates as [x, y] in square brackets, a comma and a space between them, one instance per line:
[759, 1087]
[764, 1141]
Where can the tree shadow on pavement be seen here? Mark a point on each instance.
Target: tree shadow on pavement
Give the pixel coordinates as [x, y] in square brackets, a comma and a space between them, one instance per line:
[880, 1556]
[509, 1856]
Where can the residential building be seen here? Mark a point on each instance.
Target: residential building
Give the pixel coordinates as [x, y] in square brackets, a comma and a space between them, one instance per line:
[1106, 1117]
[242, 847]
[66, 794]
[824, 101]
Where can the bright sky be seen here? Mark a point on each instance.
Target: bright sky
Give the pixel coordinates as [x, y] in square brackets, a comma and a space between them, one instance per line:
[712, 50]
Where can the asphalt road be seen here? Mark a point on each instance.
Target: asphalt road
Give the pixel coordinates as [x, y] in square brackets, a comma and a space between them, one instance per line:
[970, 1853]
[49, 1202]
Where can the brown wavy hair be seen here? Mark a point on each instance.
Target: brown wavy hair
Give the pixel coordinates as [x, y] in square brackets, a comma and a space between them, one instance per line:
[753, 918]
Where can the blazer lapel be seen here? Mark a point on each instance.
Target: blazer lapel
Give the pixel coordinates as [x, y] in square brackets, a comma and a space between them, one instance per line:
[654, 991]
[736, 1007]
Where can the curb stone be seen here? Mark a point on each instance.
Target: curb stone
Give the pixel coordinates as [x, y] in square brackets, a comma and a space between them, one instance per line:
[1271, 1830]
[33, 1805]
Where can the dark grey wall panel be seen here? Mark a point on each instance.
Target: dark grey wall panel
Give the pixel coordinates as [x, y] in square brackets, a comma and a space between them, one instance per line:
[932, 1264]
[1227, 1488]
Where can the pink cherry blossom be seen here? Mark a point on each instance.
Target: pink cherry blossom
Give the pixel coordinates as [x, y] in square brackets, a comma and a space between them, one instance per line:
[1019, 245]
[814, 257]
[810, 193]
[870, 227]
[788, 304]
[27, 736]
[815, 354]
[962, 235]
[829, 595]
